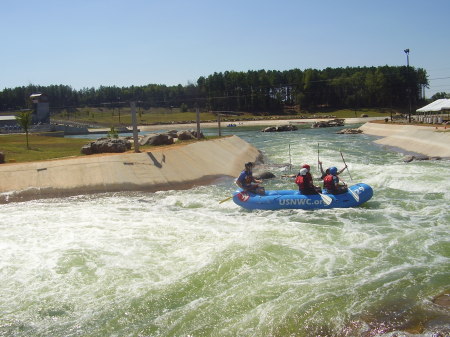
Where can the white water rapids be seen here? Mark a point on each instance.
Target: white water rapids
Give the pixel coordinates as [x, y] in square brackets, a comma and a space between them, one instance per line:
[178, 263]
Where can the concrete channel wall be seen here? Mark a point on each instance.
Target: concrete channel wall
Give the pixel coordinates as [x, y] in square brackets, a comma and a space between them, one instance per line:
[165, 168]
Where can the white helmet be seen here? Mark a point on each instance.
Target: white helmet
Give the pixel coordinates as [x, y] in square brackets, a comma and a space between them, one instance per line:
[303, 171]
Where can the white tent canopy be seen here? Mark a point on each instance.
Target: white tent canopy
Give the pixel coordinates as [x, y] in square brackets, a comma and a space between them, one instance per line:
[436, 106]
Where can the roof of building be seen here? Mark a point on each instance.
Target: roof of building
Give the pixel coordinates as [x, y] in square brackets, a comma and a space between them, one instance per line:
[38, 94]
[438, 105]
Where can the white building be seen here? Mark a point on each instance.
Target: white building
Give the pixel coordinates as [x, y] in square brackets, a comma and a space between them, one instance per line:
[434, 112]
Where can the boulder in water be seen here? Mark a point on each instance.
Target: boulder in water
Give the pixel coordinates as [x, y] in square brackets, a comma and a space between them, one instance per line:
[330, 123]
[106, 145]
[281, 128]
[410, 158]
[349, 131]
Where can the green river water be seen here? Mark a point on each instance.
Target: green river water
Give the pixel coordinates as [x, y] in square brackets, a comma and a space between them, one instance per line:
[178, 263]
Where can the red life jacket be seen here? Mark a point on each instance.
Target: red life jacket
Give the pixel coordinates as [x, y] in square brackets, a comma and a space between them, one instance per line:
[304, 182]
[328, 182]
[300, 181]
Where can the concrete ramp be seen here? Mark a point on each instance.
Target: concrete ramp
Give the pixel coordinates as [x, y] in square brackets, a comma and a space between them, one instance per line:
[164, 168]
[419, 139]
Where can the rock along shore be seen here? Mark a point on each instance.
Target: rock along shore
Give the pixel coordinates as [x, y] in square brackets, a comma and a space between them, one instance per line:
[165, 168]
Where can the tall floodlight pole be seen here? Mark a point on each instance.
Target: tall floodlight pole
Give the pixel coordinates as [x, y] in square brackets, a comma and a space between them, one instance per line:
[135, 129]
[408, 83]
[197, 116]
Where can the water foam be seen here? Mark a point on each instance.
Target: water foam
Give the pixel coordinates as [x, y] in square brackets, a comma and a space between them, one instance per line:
[180, 263]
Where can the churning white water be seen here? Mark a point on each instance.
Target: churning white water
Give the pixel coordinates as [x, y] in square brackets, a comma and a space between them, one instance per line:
[179, 263]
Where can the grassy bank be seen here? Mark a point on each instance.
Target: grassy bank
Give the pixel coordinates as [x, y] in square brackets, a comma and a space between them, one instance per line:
[122, 116]
[116, 117]
[41, 147]
[46, 148]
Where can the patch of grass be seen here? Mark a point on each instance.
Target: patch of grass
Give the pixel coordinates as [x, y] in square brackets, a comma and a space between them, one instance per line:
[116, 117]
[356, 113]
[45, 148]
[41, 147]
[122, 116]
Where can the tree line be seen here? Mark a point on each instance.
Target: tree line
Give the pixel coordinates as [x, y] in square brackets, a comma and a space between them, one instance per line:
[257, 91]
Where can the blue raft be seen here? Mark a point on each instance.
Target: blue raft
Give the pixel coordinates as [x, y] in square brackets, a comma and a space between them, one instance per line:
[290, 199]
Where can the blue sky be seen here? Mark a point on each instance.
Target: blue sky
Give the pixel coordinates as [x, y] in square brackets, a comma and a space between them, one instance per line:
[88, 43]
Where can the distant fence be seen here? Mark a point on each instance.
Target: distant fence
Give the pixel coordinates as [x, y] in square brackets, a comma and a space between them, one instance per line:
[72, 124]
[18, 129]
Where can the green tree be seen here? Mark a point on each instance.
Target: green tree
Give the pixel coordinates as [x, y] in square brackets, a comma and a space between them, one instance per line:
[24, 120]
[257, 91]
[113, 133]
[183, 107]
[440, 95]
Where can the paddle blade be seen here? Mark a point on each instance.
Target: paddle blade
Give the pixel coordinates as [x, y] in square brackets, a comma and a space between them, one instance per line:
[225, 199]
[326, 199]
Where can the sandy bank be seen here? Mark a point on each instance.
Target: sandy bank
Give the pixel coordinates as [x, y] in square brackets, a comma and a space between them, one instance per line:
[418, 139]
[176, 167]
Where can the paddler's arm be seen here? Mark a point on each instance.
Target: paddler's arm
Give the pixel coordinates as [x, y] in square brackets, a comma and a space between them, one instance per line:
[239, 183]
[321, 168]
[288, 175]
[342, 170]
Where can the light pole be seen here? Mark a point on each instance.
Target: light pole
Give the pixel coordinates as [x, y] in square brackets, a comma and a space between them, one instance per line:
[118, 106]
[408, 84]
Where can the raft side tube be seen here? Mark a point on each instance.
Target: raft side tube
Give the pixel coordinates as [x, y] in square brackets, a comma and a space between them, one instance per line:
[291, 199]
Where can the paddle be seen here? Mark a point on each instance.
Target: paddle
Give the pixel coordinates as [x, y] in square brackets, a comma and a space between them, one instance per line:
[318, 165]
[290, 162]
[225, 199]
[346, 166]
[354, 195]
[326, 199]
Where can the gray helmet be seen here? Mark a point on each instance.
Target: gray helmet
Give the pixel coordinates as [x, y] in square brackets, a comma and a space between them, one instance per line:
[303, 171]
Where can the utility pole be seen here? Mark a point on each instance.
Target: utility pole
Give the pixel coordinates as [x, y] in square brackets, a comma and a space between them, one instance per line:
[118, 106]
[218, 124]
[135, 130]
[409, 83]
[197, 114]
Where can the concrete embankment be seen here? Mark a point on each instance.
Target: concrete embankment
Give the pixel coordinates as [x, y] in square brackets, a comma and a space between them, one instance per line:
[166, 168]
[424, 140]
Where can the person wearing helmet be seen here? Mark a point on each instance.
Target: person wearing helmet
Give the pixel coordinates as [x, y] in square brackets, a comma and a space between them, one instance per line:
[331, 181]
[247, 182]
[304, 180]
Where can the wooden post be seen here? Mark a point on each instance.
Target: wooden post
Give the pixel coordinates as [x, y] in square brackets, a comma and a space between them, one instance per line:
[197, 111]
[135, 130]
[218, 122]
